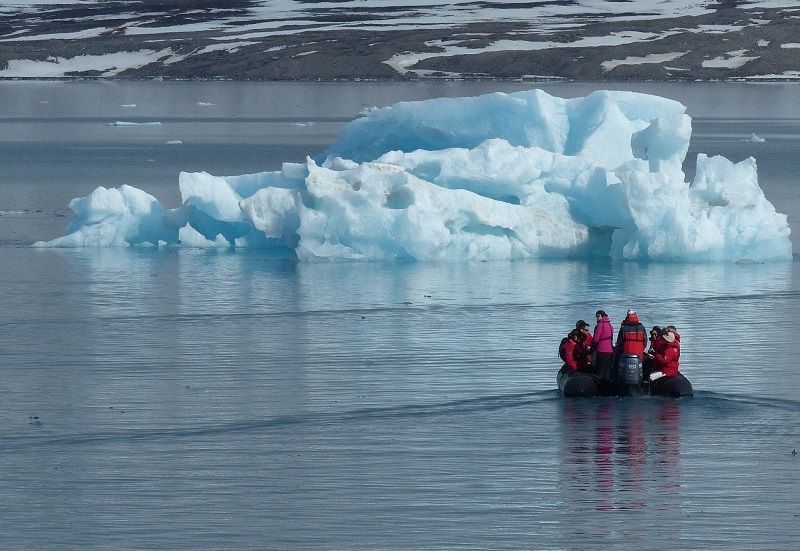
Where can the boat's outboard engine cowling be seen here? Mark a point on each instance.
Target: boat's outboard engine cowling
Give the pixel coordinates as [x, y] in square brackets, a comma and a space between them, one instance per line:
[629, 374]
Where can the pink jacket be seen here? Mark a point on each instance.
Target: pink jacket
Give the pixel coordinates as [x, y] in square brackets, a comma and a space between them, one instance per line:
[603, 337]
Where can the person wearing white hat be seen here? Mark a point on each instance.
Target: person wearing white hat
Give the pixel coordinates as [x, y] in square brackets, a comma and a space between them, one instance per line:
[667, 358]
[632, 336]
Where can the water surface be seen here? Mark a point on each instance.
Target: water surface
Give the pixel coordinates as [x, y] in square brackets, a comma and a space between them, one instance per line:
[189, 399]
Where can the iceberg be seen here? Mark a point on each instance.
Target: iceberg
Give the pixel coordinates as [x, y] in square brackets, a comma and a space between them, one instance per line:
[498, 176]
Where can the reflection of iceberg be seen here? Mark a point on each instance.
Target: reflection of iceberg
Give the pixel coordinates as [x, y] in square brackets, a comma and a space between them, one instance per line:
[497, 176]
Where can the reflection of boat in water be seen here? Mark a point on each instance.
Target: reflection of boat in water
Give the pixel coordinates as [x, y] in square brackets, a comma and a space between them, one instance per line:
[628, 381]
[620, 456]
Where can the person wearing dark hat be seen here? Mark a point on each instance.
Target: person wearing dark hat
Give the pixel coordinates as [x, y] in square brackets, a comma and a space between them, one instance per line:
[583, 349]
[602, 345]
[656, 342]
[655, 336]
[571, 352]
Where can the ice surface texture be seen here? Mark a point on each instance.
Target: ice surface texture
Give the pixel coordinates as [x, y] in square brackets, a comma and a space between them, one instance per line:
[500, 176]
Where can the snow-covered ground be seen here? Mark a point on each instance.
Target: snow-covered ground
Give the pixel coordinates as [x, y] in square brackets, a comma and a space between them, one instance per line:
[298, 39]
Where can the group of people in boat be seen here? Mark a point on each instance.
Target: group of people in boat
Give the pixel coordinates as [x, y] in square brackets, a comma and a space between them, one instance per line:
[597, 353]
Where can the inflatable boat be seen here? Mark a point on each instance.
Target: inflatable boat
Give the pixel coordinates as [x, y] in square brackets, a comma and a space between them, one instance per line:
[628, 381]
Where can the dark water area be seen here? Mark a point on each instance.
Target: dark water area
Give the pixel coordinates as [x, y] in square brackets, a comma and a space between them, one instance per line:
[194, 399]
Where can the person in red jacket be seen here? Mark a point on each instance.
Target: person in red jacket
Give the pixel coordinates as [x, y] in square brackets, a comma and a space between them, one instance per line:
[655, 339]
[571, 352]
[584, 346]
[674, 331]
[632, 336]
[656, 343]
[667, 360]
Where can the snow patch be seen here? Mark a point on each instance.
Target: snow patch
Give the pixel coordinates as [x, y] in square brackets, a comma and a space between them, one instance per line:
[107, 64]
[633, 60]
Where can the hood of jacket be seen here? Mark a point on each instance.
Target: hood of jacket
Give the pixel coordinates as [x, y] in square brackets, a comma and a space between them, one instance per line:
[632, 319]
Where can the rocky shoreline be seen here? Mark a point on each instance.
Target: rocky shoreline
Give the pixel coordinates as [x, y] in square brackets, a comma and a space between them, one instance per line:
[730, 41]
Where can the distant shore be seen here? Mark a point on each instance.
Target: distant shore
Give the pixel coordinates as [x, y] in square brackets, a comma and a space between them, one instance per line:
[532, 80]
[723, 41]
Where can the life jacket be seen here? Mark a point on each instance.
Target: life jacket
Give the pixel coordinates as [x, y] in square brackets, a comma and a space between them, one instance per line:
[632, 337]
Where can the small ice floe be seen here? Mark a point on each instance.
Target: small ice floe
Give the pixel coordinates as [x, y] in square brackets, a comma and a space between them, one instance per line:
[754, 138]
[205, 104]
[35, 421]
[308, 123]
[126, 123]
[44, 102]
[128, 105]
[174, 142]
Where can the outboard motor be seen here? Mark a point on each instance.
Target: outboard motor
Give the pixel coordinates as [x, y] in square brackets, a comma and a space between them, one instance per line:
[629, 375]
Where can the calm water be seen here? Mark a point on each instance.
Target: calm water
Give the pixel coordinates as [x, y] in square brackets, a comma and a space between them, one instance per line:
[215, 399]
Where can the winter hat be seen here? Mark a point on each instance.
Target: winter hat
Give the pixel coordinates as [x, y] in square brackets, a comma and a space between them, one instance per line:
[631, 312]
[669, 336]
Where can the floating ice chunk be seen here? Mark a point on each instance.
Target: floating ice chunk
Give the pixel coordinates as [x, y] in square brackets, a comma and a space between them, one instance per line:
[501, 176]
[115, 217]
[755, 138]
[190, 237]
[174, 142]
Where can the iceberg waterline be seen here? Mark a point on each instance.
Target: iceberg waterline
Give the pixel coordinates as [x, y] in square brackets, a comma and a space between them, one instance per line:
[499, 176]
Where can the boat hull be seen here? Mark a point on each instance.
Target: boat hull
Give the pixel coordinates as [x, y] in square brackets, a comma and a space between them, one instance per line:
[586, 385]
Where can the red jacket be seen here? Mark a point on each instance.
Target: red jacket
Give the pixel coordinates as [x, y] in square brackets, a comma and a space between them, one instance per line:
[582, 354]
[570, 352]
[632, 337]
[657, 344]
[667, 360]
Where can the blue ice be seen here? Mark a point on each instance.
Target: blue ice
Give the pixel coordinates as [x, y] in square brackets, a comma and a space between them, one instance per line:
[499, 176]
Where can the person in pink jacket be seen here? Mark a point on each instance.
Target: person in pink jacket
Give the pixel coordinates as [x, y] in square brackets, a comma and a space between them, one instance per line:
[602, 344]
